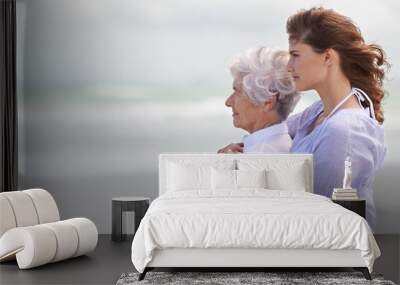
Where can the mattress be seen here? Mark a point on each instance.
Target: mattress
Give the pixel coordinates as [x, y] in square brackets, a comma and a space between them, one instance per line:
[251, 219]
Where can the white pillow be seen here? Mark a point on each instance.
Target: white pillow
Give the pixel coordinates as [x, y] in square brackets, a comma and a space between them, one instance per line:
[282, 174]
[187, 177]
[223, 179]
[251, 178]
[226, 179]
[193, 173]
[293, 180]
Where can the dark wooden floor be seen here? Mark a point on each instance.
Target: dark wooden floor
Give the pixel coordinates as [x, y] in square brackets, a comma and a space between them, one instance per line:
[110, 260]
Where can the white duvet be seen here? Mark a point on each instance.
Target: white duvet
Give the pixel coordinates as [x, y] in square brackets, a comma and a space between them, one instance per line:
[250, 219]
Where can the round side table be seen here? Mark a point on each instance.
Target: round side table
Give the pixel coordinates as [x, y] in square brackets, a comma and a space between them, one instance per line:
[139, 205]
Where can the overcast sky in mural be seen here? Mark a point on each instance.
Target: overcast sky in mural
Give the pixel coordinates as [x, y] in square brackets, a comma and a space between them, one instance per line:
[175, 42]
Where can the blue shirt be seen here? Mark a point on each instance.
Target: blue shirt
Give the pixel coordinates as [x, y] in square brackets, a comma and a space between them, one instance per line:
[348, 132]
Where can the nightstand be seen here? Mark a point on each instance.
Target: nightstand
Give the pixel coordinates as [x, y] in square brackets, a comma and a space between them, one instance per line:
[357, 206]
[139, 205]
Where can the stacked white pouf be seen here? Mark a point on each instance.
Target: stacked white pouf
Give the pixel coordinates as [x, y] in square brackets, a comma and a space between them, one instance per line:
[31, 230]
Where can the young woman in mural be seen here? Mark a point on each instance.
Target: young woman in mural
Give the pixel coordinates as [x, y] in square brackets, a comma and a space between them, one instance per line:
[263, 96]
[328, 54]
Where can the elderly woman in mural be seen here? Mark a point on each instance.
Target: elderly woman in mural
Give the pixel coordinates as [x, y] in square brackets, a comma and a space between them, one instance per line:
[263, 96]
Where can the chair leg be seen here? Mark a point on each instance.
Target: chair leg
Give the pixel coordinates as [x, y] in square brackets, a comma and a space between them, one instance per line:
[364, 271]
[143, 274]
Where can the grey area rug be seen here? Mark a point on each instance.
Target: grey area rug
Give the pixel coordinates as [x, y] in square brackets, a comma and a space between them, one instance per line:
[273, 278]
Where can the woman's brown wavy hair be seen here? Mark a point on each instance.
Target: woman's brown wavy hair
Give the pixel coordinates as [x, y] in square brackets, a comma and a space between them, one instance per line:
[363, 64]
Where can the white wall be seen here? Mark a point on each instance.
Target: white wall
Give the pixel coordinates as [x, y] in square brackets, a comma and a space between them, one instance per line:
[105, 86]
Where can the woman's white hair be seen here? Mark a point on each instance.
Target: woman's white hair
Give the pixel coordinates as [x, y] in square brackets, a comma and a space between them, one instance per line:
[263, 74]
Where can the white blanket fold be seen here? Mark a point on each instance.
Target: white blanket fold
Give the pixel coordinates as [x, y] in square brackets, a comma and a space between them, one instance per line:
[250, 219]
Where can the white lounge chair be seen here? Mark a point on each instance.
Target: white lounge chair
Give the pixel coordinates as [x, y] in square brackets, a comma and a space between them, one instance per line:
[32, 233]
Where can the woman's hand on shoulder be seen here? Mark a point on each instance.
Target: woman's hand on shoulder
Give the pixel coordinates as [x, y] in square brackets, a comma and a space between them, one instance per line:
[232, 148]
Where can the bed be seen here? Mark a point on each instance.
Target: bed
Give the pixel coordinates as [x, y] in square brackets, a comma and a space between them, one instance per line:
[244, 211]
